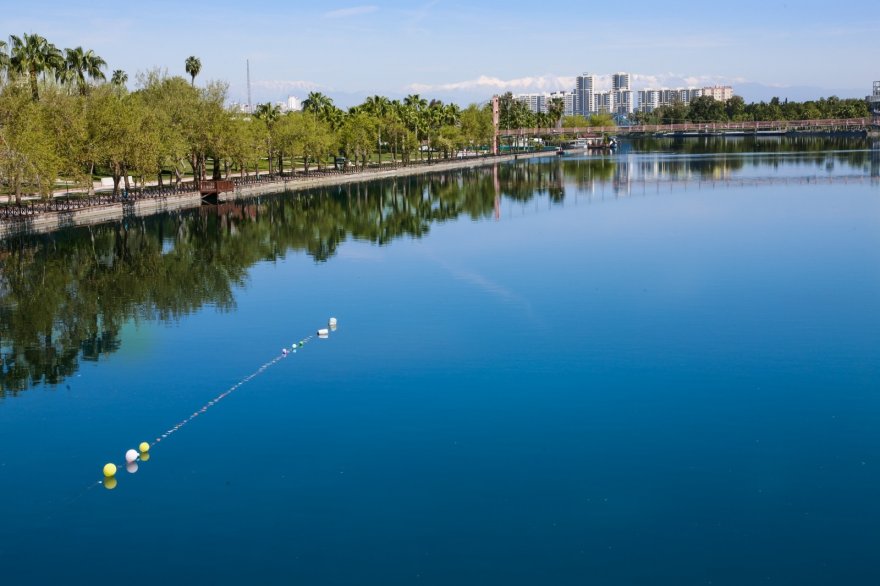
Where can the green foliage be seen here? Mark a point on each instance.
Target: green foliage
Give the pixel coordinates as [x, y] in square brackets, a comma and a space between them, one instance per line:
[706, 109]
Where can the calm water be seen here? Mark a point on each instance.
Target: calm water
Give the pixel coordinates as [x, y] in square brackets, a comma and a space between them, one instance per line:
[655, 368]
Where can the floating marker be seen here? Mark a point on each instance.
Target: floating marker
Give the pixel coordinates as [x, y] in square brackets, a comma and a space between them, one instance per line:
[142, 453]
[332, 322]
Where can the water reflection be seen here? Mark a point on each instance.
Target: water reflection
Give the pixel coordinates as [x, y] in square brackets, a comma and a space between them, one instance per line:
[65, 297]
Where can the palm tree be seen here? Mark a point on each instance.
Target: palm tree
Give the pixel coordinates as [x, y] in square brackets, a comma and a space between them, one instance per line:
[318, 104]
[416, 106]
[269, 113]
[33, 55]
[79, 64]
[193, 67]
[556, 107]
[119, 77]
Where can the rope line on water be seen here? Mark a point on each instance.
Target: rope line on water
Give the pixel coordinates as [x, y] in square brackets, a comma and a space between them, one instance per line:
[132, 457]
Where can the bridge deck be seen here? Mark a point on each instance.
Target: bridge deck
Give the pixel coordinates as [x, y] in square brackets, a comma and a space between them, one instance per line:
[840, 124]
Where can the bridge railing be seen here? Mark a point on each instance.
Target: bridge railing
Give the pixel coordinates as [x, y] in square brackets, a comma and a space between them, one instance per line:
[746, 126]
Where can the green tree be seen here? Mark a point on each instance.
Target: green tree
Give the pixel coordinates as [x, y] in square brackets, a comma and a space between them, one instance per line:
[555, 108]
[318, 105]
[33, 56]
[29, 161]
[706, 109]
[119, 78]
[735, 108]
[193, 66]
[80, 64]
[357, 137]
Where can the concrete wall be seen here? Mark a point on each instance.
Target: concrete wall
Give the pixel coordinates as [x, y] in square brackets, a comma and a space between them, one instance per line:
[49, 222]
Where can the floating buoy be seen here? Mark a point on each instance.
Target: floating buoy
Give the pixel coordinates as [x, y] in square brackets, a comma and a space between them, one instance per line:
[131, 455]
[144, 447]
[131, 467]
[323, 332]
[332, 322]
[110, 483]
[109, 470]
[284, 351]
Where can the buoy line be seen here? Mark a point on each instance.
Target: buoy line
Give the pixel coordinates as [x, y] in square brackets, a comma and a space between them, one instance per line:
[142, 453]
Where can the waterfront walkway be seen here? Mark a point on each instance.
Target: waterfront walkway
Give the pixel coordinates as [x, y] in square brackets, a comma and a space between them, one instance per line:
[47, 215]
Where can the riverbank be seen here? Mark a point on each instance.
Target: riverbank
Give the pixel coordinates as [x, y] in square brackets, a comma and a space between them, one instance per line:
[47, 222]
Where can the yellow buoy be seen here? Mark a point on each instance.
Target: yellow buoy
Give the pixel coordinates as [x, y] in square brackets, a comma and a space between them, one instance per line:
[144, 447]
[109, 483]
[109, 470]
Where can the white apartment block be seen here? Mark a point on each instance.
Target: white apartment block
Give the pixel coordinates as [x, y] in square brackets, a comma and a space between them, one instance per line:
[722, 93]
[568, 102]
[584, 96]
[535, 102]
[649, 100]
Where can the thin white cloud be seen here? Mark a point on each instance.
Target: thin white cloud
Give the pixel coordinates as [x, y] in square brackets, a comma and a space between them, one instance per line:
[349, 12]
[544, 83]
[552, 83]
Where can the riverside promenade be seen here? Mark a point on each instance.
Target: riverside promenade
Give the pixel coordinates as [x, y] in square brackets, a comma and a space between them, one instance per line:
[48, 216]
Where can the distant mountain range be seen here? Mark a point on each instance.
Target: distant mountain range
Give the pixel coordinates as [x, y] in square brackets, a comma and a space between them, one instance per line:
[751, 92]
[756, 92]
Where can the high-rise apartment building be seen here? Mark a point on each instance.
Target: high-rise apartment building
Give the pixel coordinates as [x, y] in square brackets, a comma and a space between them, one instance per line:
[568, 101]
[535, 102]
[649, 100]
[620, 82]
[722, 93]
[584, 94]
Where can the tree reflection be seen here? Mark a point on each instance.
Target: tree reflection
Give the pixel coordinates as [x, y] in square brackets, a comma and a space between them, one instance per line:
[65, 297]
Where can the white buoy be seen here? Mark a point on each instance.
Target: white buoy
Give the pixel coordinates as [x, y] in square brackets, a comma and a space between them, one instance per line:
[323, 332]
[332, 322]
[131, 455]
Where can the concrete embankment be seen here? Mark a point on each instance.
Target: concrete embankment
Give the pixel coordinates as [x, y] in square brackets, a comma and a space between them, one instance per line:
[51, 221]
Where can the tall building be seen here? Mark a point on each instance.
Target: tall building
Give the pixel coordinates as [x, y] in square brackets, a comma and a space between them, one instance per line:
[584, 94]
[604, 103]
[722, 93]
[649, 100]
[535, 102]
[623, 95]
[568, 101]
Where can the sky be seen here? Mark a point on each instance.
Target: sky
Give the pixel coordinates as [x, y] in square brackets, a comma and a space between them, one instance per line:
[466, 51]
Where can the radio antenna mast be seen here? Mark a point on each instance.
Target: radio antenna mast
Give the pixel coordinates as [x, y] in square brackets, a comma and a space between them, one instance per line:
[250, 108]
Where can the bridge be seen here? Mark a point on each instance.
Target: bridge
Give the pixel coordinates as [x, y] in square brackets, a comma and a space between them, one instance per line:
[709, 128]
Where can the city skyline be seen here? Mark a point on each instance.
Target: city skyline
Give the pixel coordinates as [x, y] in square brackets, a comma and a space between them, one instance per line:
[465, 52]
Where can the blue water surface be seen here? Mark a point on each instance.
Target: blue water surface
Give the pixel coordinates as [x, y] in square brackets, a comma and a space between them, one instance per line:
[641, 382]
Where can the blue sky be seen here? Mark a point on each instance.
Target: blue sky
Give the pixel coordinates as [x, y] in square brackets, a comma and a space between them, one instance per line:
[466, 51]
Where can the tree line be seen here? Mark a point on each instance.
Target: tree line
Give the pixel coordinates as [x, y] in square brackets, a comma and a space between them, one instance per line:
[708, 109]
[61, 118]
